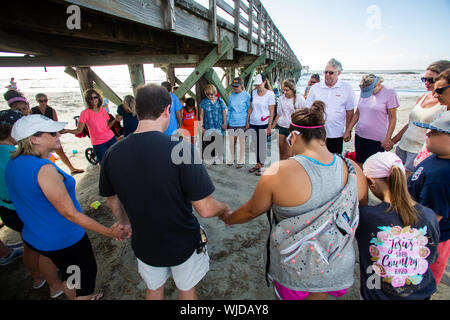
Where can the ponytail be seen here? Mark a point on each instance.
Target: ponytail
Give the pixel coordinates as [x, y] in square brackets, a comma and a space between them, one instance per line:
[401, 200]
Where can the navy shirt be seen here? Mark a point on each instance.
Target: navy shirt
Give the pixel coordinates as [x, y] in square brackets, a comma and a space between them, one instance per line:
[130, 121]
[156, 191]
[394, 259]
[430, 186]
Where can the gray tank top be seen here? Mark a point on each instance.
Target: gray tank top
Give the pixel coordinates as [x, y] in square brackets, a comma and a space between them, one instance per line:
[326, 181]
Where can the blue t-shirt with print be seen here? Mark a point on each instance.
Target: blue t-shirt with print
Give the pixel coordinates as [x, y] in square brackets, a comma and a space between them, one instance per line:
[394, 259]
[5, 155]
[173, 123]
[430, 186]
[238, 105]
[212, 117]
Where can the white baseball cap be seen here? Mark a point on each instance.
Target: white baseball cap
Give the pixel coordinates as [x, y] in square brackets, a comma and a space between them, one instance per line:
[260, 78]
[29, 125]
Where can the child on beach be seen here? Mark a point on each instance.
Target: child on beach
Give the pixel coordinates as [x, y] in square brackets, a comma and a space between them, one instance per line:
[397, 239]
[190, 118]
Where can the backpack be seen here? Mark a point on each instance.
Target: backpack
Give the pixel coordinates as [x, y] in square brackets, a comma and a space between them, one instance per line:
[308, 245]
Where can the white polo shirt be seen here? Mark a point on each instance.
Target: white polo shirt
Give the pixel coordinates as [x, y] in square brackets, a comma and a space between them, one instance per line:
[338, 100]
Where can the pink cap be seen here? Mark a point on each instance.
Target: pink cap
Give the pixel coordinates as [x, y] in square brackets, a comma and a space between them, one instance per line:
[380, 165]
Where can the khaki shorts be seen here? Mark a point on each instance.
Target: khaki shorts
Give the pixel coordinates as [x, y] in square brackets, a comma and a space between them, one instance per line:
[186, 275]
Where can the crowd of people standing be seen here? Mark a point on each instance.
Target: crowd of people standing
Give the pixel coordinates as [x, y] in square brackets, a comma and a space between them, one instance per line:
[316, 200]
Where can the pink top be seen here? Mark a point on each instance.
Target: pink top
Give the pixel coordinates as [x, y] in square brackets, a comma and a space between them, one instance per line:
[97, 123]
[373, 120]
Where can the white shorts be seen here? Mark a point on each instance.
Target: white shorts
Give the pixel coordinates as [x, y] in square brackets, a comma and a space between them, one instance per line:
[185, 275]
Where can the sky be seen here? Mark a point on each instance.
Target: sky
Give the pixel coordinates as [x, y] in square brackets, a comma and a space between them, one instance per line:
[364, 35]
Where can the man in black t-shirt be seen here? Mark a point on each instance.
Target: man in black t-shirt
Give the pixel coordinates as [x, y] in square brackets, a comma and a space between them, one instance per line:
[151, 192]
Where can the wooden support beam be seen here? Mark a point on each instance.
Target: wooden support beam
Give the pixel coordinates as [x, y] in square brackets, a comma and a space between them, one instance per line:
[213, 78]
[250, 26]
[213, 22]
[249, 84]
[104, 88]
[249, 71]
[137, 76]
[168, 7]
[271, 66]
[84, 79]
[210, 60]
[237, 14]
[79, 61]
[179, 82]
[89, 82]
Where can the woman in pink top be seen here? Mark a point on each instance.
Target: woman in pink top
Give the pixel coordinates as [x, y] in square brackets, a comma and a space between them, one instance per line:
[97, 121]
[375, 118]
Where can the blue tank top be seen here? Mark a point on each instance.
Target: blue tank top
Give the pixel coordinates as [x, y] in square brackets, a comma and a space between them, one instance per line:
[44, 227]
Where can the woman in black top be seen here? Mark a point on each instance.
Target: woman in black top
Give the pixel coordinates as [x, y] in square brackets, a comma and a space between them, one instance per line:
[49, 112]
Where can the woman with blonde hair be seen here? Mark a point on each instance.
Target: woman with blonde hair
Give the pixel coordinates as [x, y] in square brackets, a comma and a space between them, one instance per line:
[412, 138]
[397, 239]
[127, 113]
[53, 223]
[98, 123]
[314, 199]
[287, 104]
[213, 117]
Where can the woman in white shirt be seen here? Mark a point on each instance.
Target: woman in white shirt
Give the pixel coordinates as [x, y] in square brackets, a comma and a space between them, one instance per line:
[287, 104]
[411, 137]
[260, 118]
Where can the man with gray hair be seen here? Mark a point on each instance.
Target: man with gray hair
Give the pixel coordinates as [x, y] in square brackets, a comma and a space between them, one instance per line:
[340, 102]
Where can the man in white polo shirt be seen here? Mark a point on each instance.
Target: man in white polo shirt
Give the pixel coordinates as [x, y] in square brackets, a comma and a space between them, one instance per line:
[339, 101]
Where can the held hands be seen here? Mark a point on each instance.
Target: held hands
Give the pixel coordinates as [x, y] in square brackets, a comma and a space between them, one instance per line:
[224, 126]
[347, 136]
[120, 232]
[227, 212]
[387, 144]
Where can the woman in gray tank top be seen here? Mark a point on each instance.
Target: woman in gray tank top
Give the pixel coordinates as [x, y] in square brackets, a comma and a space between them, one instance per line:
[316, 189]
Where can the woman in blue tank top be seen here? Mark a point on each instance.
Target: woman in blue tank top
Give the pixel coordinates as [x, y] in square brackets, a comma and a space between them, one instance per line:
[294, 188]
[45, 200]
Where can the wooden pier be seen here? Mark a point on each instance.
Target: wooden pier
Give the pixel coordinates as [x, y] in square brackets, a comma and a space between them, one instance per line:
[238, 36]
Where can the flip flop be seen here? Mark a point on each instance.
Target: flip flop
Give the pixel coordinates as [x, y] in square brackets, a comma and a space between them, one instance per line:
[238, 166]
[57, 294]
[76, 171]
[97, 296]
[260, 171]
[39, 285]
[253, 170]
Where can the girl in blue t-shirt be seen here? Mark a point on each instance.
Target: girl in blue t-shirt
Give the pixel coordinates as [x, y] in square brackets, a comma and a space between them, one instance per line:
[397, 239]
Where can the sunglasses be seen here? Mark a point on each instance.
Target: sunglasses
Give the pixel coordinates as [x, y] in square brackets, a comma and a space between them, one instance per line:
[39, 133]
[330, 72]
[429, 80]
[92, 98]
[210, 94]
[288, 138]
[43, 100]
[441, 90]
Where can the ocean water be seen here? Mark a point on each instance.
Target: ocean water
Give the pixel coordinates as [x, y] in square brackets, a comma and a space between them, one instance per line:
[405, 82]
[54, 79]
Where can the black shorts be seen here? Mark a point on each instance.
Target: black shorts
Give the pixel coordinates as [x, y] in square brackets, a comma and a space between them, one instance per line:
[335, 145]
[76, 262]
[11, 219]
[366, 148]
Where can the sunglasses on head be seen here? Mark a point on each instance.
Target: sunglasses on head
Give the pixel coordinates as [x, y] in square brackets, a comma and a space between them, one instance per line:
[39, 133]
[429, 80]
[330, 72]
[441, 90]
[288, 138]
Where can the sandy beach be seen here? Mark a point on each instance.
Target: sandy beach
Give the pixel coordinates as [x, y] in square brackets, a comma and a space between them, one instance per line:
[236, 265]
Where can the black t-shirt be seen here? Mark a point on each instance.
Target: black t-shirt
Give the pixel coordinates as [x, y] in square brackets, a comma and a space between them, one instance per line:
[48, 111]
[395, 259]
[156, 193]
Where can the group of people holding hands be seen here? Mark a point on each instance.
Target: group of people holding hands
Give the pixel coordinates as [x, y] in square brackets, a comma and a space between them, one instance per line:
[316, 200]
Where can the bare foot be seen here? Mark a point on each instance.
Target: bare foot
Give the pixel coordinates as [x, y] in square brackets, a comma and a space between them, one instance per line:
[76, 171]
